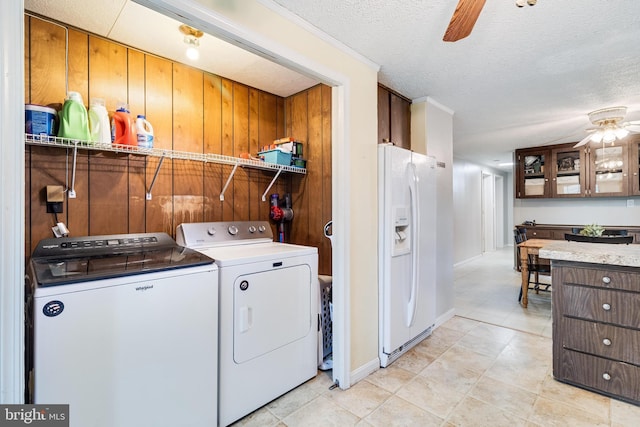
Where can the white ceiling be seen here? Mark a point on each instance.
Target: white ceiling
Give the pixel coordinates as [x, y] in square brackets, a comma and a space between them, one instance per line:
[137, 26]
[524, 77]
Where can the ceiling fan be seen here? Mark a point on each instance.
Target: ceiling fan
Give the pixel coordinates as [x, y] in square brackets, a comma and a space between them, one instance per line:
[466, 15]
[609, 126]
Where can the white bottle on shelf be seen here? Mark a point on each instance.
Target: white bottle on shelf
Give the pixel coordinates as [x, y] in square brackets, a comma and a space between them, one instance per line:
[144, 130]
[99, 125]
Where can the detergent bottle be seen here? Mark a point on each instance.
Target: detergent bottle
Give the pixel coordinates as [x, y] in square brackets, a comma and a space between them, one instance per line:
[123, 130]
[99, 127]
[74, 120]
[144, 130]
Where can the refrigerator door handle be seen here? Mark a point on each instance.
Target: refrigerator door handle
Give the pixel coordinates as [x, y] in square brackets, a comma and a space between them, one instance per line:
[415, 233]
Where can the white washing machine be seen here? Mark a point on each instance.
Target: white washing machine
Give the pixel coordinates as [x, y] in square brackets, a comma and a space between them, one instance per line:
[268, 312]
[125, 331]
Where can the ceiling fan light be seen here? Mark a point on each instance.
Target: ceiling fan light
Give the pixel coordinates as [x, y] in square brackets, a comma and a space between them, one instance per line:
[597, 136]
[621, 133]
[608, 136]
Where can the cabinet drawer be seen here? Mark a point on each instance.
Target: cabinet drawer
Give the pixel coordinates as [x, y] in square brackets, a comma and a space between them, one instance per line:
[532, 233]
[604, 278]
[611, 377]
[619, 308]
[602, 340]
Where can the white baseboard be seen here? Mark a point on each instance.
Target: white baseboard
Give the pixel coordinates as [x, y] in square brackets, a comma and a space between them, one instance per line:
[364, 371]
[458, 264]
[444, 317]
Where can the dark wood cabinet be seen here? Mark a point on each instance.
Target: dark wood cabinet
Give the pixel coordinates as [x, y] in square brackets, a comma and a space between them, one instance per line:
[596, 328]
[394, 118]
[557, 231]
[559, 171]
[608, 171]
[568, 178]
[532, 173]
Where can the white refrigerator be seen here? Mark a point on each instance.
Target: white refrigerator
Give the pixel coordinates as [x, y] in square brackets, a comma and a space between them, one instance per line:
[406, 276]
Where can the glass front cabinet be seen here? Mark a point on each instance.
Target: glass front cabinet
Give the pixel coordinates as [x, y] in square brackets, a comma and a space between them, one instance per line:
[532, 173]
[568, 176]
[608, 170]
[594, 170]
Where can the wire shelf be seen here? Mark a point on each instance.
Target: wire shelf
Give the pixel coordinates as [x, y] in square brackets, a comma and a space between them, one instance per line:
[54, 141]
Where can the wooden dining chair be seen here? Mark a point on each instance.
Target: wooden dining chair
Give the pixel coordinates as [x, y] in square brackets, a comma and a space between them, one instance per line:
[536, 266]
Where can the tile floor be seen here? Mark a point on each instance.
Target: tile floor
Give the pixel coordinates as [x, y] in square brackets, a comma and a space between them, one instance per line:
[490, 365]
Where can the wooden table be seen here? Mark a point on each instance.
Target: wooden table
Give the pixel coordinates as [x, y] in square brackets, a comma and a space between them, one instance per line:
[531, 246]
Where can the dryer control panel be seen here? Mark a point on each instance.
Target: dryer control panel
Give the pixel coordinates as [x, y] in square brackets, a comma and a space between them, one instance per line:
[207, 234]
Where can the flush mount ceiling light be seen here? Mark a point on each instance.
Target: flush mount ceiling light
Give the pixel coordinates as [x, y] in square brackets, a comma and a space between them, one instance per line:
[192, 40]
[609, 126]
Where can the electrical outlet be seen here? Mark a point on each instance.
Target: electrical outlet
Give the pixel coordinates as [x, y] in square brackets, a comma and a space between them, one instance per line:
[630, 203]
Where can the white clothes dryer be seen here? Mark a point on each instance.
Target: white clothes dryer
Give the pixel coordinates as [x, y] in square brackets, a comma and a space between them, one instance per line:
[268, 305]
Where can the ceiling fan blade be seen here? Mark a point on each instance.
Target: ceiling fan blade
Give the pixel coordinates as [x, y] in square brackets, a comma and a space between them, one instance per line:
[632, 127]
[463, 19]
[584, 141]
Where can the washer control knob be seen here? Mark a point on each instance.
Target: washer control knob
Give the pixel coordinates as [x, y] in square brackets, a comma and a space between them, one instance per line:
[233, 230]
[211, 231]
[252, 229]
[262, 228]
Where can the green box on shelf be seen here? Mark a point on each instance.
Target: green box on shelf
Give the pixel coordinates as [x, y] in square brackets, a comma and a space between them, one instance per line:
[276, 156]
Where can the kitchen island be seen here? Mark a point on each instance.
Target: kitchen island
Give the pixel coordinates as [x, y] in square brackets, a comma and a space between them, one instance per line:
[596, 316]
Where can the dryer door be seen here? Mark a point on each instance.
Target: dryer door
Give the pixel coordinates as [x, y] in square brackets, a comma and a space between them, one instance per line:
[271, 309]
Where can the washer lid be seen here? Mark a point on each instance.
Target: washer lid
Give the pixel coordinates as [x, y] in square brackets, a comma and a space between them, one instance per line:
[81, 259]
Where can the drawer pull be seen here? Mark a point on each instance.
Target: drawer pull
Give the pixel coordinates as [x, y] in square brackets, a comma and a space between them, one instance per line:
[606, 341]
[606, 307]
[606, 280]
[606, 376]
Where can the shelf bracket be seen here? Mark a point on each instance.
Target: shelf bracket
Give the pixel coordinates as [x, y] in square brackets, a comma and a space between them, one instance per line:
[153, 181]
[72, 190]
[264, 195]
[228, 181]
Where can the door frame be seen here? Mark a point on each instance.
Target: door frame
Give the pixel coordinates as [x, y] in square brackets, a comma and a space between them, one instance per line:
[488, 212]
[220, 26]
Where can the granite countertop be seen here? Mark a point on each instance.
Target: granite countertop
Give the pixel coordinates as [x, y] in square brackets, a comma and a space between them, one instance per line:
[594, 253]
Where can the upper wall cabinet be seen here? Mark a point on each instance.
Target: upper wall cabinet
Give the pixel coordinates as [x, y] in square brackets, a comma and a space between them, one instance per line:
[567, 171]
[394, 118]
[532, 173]
[592, 171]
[608, 170]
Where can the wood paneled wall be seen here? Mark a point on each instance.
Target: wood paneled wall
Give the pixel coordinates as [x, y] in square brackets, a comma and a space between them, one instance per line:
[190, 110]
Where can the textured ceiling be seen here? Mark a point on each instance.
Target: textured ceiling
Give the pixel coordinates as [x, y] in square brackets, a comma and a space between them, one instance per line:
[524, 77]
